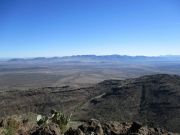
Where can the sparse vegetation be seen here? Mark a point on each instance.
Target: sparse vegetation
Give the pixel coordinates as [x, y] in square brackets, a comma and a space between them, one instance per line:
[58, 118]
[42, 120]
[11, 127]
[57, 124]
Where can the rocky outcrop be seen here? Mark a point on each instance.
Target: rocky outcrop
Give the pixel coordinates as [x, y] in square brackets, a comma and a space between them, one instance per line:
[48, 130]
[94, 127]
[90, 127]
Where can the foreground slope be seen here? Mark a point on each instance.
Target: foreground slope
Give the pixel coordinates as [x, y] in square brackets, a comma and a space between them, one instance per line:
[153, 100]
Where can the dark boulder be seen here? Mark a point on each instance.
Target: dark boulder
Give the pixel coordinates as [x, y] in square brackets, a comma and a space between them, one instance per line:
[93, 126]
[135, 127]
[48, 130]
[74, 132]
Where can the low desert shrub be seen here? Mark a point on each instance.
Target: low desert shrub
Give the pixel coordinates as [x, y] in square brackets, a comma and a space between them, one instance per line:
[42, 120]
[11, 126]
[58, 118]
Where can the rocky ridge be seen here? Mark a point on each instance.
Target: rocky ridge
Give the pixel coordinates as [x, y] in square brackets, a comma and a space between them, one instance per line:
[94, 127]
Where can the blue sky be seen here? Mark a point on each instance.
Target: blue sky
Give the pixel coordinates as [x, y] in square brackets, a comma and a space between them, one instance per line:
[31, 28]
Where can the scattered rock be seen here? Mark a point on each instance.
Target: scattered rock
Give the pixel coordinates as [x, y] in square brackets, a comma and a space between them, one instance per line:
[51, 129]
[94, 127]
[115, 128]
[74, 132]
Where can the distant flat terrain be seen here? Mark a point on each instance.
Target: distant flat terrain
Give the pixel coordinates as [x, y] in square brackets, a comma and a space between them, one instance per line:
[79, 71]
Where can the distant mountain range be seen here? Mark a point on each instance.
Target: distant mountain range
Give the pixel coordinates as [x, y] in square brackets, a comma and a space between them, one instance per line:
[101, 58]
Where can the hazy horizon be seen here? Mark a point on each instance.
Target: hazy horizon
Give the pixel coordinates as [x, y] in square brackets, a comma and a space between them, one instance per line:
[87, 55]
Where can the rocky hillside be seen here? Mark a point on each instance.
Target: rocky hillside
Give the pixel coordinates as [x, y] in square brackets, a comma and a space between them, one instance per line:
[153, 100]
